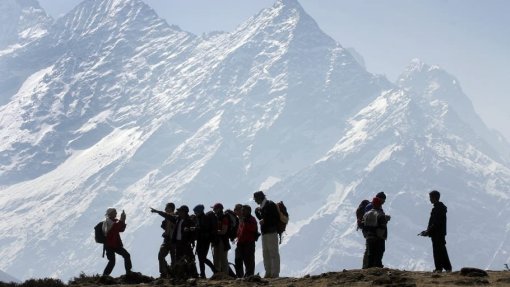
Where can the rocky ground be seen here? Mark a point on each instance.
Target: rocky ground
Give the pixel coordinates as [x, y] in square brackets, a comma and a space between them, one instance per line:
[370, 277]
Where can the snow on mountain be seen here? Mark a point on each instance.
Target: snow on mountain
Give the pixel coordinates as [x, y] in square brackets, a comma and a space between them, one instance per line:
[24, 22]
[114, 107]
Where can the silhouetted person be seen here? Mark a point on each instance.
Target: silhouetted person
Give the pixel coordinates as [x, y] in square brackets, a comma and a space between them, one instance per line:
[111, 229]
[221, 245]
[246, 236]
[268, 216]
[238, 260]
[205, 225]
[375, 232]
[382, 196]
[167, 247]
[436, 230]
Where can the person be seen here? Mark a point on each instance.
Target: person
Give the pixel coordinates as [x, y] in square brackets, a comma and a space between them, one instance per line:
[246, 236]
[113, 244]
[167, 247]
[382, 196]
[238, 260]
[205, 231]
[268, 216]
[436, 230]
[375, 232]
[183, 236]
[221, 245]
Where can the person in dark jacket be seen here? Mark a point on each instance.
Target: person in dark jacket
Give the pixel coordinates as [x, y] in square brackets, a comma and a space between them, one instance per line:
[247, 234]
[221, 245]
[205, 226]
[436, 230]
[382, 196]
[184, 235]
[375, 232]
[167, 247]
[111, 229]
[268, 216]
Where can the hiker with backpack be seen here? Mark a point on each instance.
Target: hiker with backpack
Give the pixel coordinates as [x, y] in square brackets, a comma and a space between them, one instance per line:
[221, 245]
[363, 208]
[205, 228]
[436, 230]
[113, 244]
[375, 232]
[247, 234]
[167, 247]
[184, 238]
[269, 218]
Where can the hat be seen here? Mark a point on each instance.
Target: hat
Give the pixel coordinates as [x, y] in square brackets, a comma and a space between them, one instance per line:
[217, 206]
[259, 194]
[183, 208]
[376, 202]
[110, 210]
[381, 195]
[199, 208]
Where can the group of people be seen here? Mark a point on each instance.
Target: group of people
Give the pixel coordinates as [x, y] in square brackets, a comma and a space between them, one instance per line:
[373, 222]
[216, 229]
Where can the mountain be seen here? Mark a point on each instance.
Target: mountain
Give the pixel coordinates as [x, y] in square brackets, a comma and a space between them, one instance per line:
[4, 277]
[114, 107]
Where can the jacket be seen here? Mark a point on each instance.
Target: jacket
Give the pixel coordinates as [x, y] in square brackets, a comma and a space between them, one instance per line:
[269, 213]
[113, 236]
[247, 230]
[437, 221]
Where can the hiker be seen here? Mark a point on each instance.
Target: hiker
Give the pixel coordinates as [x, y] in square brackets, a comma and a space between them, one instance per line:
[268, 216]
[221, 245]
[436, 230]
[167, 247]
[238, 261]
[183, 236]
[375, 232]
[113, 244]
[366, 206]
[247, 234]
[206, 227]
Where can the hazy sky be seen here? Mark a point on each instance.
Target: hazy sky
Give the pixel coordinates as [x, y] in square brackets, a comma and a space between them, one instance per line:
[468, 38]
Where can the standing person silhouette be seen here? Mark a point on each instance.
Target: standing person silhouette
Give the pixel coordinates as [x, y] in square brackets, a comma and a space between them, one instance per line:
[111, 229]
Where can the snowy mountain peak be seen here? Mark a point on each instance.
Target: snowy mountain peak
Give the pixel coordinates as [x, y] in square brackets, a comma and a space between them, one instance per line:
[22, 21]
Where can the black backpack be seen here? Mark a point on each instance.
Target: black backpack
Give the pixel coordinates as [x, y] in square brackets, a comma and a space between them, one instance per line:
[360, 211]
[233, 224]
[98, 233]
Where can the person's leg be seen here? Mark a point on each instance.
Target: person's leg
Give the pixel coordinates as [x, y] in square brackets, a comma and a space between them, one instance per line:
[224, 259]
[371, 252]
[238, 261]
[381, 247]
[202, 250]
[436, 251]
[110, 255]
[127, 258]
[274, 254]
[249, 258]
[439, 247]
[266, 255]
[164, 250]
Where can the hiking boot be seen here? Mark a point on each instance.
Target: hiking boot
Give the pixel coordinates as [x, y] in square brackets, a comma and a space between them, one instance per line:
[448, 271]
[437, 271]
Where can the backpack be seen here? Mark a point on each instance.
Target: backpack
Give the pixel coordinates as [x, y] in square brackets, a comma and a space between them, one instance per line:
[98, 233]
[282, 220]
[360, 211]
[370, 219]
[233, 224]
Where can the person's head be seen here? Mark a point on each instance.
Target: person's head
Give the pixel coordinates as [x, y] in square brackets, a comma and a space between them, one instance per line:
[259, 196]
[111, 213]
[217, 208]
[237, 210]
[377, 202]
[382, 196]
[183, 211]
[170, 207]
[199, 209]
[434, 196]
[246, 210]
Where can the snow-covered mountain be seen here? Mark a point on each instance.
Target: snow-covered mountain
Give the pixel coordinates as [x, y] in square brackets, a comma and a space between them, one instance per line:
[6, 278]
[114, 107]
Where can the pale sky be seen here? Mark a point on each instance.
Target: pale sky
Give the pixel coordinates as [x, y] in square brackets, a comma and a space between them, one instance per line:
[468, 38]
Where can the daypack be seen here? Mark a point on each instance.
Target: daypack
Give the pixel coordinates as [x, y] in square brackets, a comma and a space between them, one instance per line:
[282, 220]
[360, 211]
[370, 219]
[233, 224]
[98, 233]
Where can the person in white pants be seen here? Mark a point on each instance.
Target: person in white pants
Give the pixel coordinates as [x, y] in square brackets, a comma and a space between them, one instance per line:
[268, 216]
